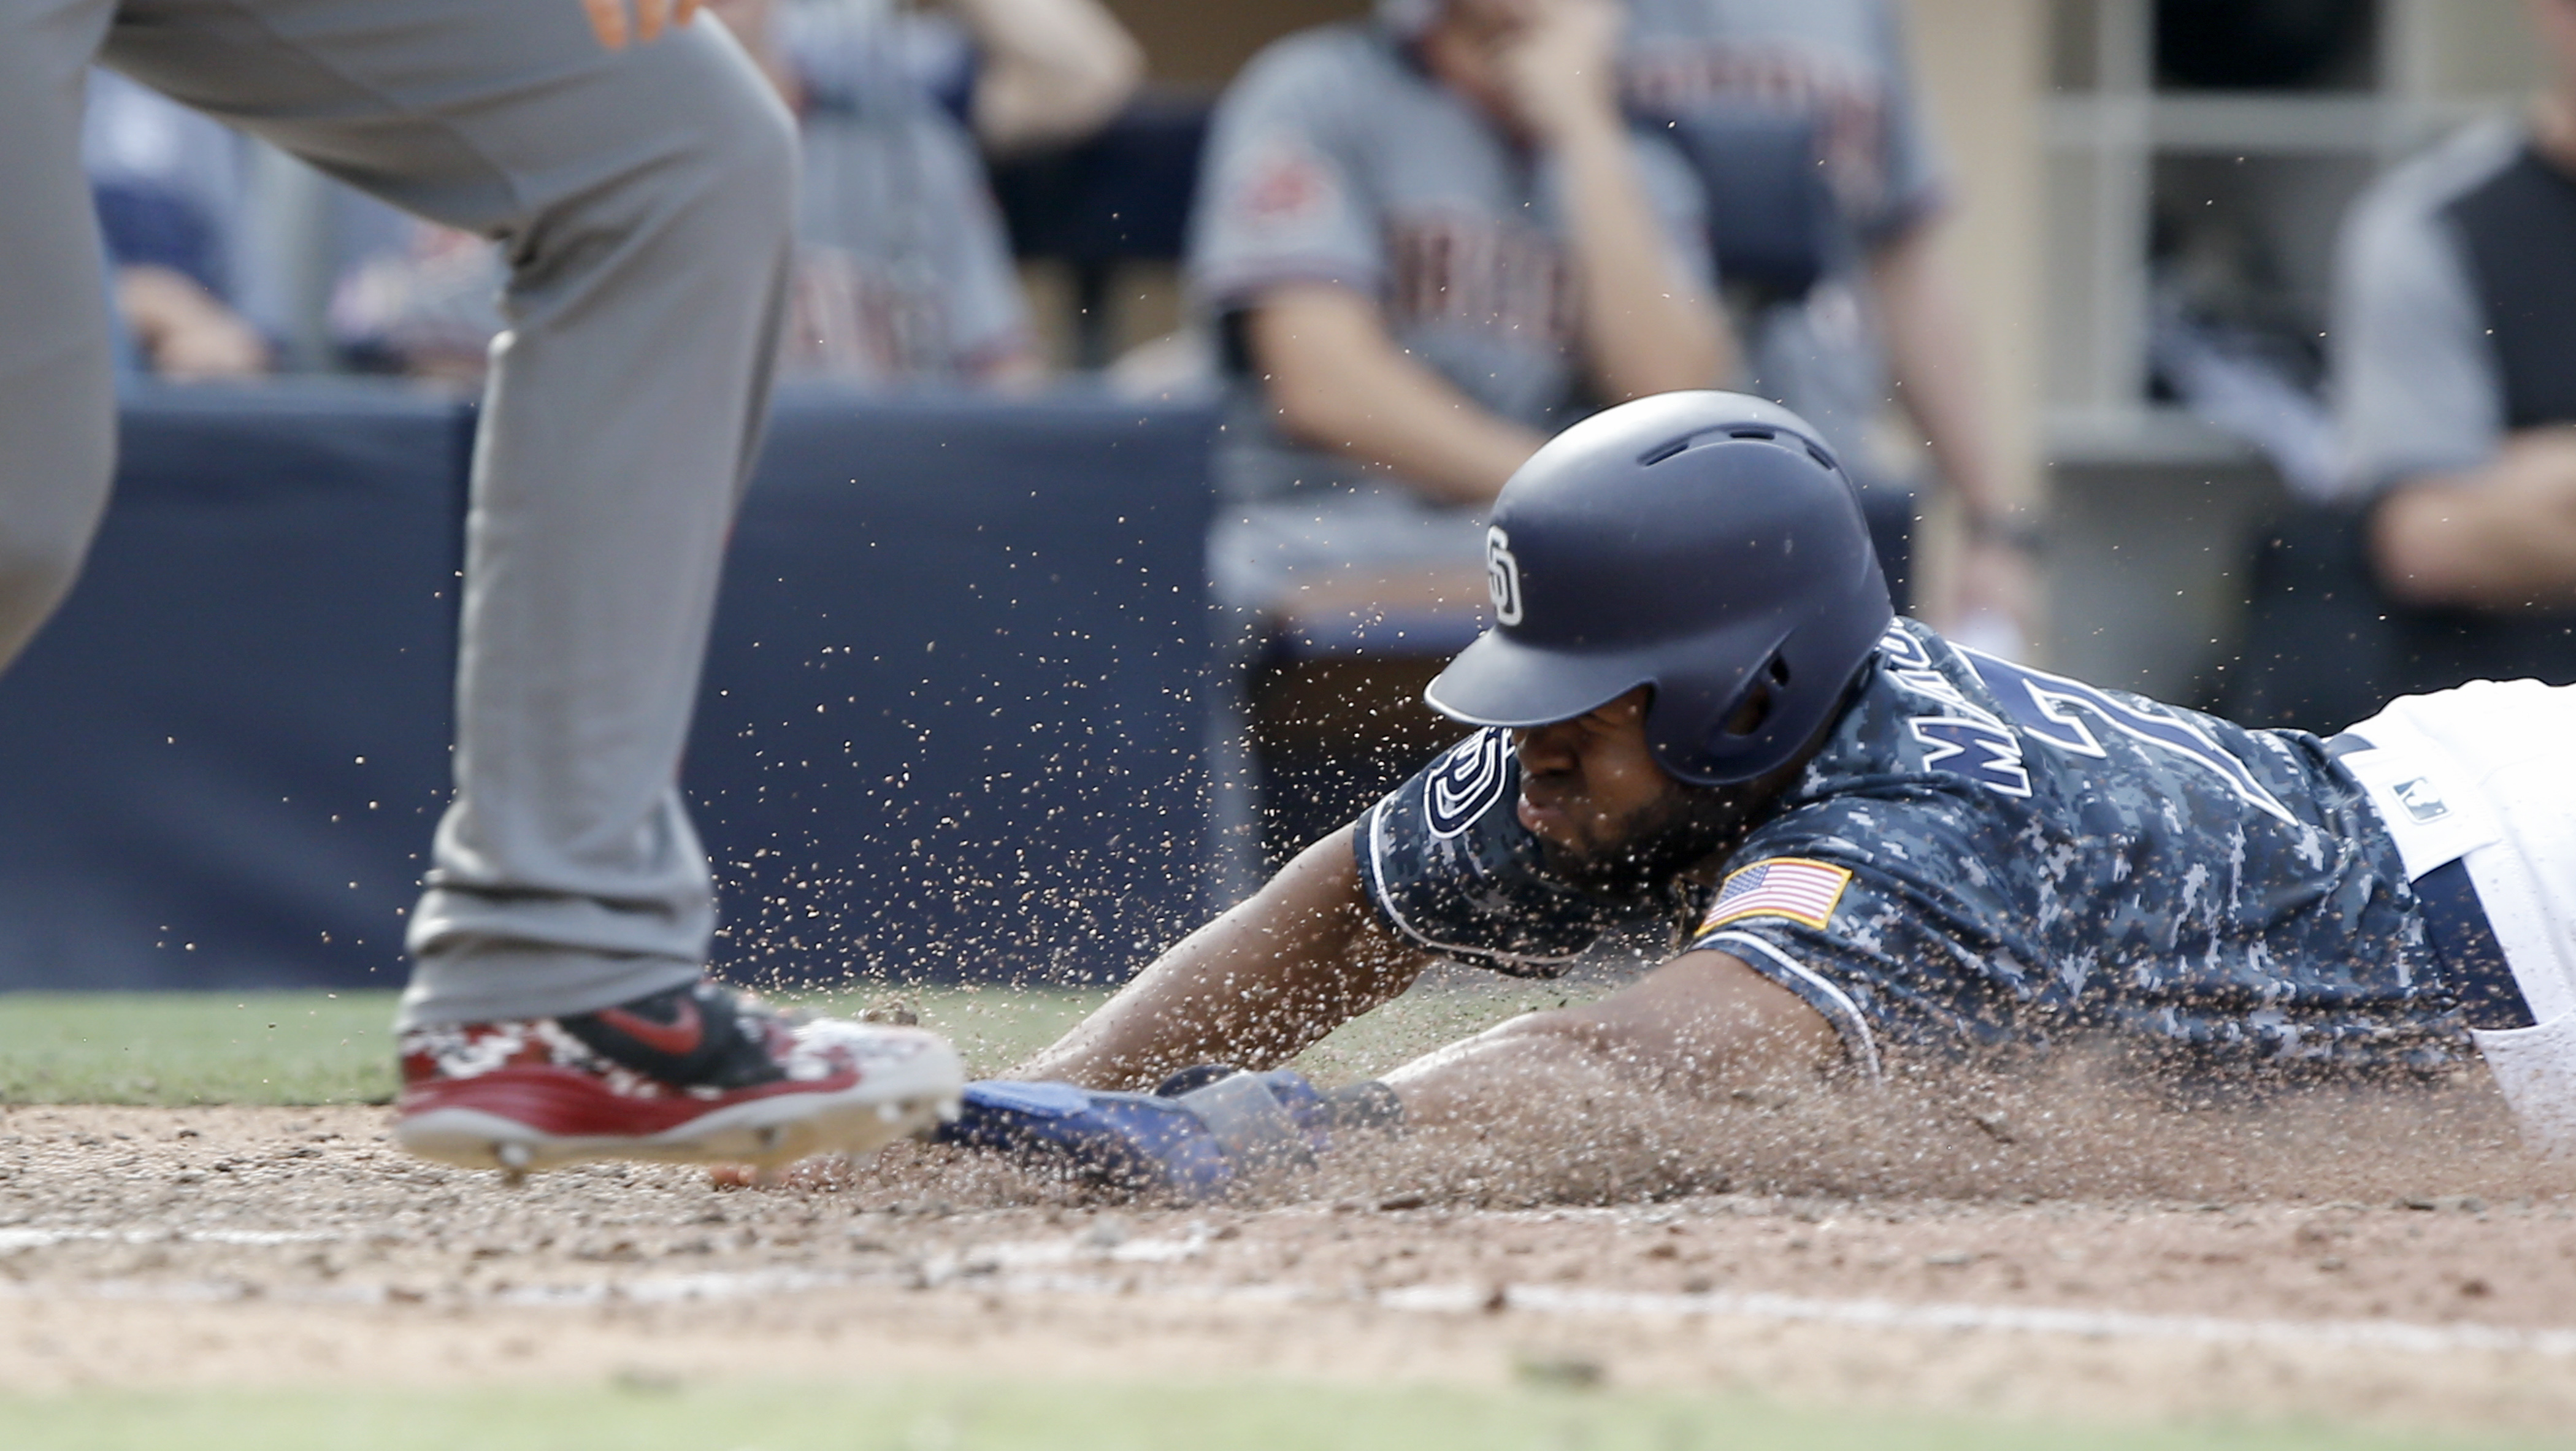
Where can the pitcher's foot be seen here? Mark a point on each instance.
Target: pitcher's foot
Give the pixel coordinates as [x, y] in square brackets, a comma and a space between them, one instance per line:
[697, 1074]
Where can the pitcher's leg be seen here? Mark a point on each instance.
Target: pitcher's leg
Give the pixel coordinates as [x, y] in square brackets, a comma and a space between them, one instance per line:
[645, 199]
[57, 405]
[620, 421]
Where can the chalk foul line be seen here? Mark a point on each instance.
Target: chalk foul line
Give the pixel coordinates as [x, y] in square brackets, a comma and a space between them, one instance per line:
[1076, 1268]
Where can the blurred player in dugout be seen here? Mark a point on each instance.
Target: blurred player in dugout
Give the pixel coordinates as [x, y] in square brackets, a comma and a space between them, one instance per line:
[639, 173]
[1428, 241]
[2454, 343]
[903, 273]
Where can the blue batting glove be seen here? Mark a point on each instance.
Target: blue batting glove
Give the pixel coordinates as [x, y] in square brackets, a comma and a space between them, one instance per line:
[1195, 1146]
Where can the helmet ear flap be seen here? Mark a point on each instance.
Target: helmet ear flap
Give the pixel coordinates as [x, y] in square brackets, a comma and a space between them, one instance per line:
[1752, 709]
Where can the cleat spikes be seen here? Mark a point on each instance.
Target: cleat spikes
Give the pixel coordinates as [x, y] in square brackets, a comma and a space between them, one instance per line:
[689, 1075]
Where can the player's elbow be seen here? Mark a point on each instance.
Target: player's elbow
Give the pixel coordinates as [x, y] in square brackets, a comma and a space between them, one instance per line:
[1062, 99]
[1310, 402]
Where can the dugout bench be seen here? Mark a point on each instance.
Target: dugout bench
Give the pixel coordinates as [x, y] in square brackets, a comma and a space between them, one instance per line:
[953, 724]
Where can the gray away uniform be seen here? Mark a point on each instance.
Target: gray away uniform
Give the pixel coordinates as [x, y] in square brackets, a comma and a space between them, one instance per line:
[906, 272]
[645, 199]
[903, 274]
[2454, 328]
[2423, 380]
[1334, 158]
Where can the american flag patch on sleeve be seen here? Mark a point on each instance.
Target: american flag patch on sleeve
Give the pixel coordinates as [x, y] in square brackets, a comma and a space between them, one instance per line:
[1785, 886]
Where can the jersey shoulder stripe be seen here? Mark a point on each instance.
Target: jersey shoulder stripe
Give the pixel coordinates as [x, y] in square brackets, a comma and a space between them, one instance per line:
[1798, 888]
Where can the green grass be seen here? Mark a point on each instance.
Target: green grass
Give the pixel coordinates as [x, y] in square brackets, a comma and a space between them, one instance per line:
[168, 1049]
[171, 1049]
[181, 1048]
[1030, 1416]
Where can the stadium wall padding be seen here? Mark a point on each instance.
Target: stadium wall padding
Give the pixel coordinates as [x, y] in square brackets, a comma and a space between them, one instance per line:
[952, 722]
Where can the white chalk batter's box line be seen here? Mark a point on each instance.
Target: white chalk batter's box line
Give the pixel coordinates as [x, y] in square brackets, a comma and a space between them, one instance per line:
[13, 1240]
[1024, 1268]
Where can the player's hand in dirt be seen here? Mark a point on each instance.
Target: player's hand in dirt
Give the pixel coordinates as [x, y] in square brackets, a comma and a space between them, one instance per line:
[1204, 1133]
[617, 21]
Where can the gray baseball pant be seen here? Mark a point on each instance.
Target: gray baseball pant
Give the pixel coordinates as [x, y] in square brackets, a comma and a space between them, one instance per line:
[645, 199]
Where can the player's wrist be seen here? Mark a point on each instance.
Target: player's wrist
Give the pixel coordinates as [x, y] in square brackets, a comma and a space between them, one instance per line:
[1577, 122]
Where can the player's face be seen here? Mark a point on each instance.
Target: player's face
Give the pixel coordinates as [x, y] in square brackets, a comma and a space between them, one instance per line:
[1606, 812]
[1590, 787]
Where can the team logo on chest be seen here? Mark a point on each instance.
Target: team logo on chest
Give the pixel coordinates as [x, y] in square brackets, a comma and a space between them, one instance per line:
[1467, 782]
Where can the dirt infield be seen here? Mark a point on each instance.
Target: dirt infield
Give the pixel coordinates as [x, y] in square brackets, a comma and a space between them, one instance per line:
[2342, 1259]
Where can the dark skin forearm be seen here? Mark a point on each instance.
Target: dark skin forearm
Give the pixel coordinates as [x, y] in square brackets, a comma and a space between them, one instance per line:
[1695, 1030]
[1307, 954]
[1253, 988]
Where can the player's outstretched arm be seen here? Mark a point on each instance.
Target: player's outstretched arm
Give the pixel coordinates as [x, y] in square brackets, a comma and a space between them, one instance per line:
[1702, 1026]
[1301, 957]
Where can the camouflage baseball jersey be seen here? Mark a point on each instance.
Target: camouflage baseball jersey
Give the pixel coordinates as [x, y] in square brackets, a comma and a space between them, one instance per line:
[1984, 855]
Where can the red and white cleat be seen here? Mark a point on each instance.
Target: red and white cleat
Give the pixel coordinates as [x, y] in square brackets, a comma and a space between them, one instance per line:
[700, 1074]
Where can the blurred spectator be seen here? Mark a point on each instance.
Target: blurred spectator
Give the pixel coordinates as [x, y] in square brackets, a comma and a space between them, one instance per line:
[2451, 554]
[166, 182]
[427, 306]
[904, 274]
[1428, 243]
[2454, 343]
[1886, 321]
[1022, 74]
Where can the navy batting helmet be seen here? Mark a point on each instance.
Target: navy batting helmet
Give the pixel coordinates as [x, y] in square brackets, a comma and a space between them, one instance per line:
[1704, 544]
